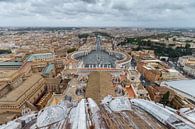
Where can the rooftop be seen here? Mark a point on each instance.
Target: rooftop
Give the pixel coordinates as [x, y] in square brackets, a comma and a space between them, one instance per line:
[191, 66]
[99, 85]
[7, 73]
[48, 69]
[16, 93]
[10, 64]
[112, 113]
[57, 113]
[39, 56]
[185, 86]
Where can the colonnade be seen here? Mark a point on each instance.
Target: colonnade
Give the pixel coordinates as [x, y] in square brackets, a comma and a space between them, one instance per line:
[98, 66]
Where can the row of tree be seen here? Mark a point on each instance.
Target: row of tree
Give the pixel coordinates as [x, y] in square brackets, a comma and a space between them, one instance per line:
[70, 50]
[5, 51]
[160, 49]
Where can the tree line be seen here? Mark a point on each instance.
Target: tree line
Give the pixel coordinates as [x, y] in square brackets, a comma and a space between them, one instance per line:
[160, 49]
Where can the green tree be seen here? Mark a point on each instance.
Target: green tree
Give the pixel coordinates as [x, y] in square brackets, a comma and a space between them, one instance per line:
[85, 35]
[187, 46]
[71, 50]
[5, 51]
[165, 98]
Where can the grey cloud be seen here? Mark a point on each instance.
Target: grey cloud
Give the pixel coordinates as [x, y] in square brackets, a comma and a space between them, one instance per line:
[5, 0]
[99, 12]
[11, 1]
[89, 1]
[121, 6]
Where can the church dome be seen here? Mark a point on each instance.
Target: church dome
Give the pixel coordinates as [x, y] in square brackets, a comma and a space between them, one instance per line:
[50, 115]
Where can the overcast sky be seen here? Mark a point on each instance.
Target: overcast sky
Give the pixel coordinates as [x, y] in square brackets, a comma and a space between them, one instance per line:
[133, 13]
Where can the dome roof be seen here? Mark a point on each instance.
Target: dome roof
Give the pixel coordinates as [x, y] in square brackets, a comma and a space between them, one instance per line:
[50, 115]
[183, 110]
[120, 104]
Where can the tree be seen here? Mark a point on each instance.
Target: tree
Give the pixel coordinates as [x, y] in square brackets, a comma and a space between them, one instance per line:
[165, 98]
[85, 35]
[5, 51]
[187, 46]
[71, 50]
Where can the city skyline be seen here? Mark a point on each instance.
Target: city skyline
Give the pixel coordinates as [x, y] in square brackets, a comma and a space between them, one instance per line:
[97, 13]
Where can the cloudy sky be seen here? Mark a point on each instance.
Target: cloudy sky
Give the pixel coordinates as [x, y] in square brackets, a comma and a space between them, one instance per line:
[133, 13]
